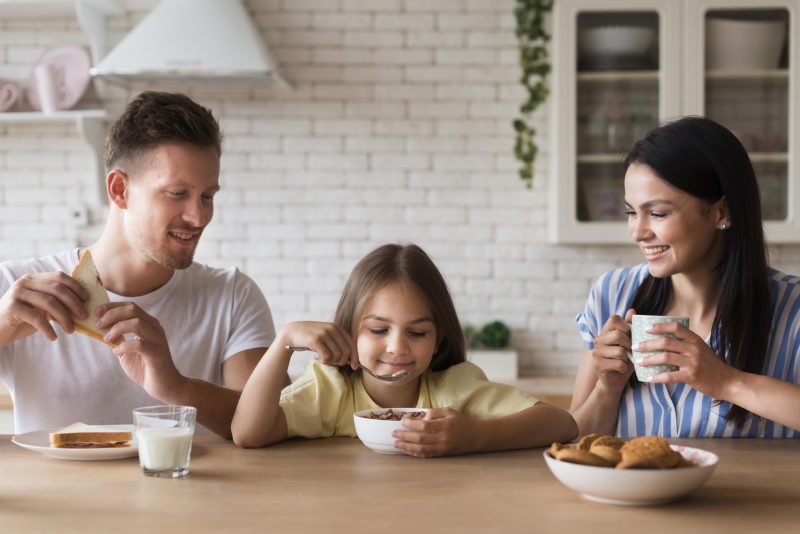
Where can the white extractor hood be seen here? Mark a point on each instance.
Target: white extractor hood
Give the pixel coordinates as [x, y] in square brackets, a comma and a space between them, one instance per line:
[187, 40]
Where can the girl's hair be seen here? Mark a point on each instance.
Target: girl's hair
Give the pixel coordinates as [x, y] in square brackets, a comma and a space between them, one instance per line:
[706, 160]
[409, 265]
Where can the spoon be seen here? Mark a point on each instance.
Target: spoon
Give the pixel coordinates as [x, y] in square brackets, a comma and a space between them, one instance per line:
[399, 375]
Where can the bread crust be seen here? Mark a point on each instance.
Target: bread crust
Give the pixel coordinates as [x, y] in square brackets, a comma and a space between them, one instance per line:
[85, 273]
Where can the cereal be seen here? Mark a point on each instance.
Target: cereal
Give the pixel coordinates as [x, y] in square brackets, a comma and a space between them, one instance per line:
[389, 415]
[646, 452]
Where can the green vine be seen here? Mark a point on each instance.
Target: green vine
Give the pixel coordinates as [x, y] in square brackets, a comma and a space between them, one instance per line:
[533, 59]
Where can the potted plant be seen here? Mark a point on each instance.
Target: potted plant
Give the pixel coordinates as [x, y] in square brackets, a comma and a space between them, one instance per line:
[487, 347]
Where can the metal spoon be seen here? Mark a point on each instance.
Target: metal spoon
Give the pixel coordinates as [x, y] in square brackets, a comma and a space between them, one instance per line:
[399, 375]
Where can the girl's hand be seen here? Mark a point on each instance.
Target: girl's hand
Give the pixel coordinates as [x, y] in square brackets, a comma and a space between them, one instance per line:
[333, 344]
[610, 353]
[443, 432]
[698, 365]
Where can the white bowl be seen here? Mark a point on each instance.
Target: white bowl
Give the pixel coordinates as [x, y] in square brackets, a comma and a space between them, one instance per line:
[637, 487]
[744, 44]
[616, 41]
[376, 433]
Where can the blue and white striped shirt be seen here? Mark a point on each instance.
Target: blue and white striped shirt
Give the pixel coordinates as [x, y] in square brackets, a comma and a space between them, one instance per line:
[680, 410]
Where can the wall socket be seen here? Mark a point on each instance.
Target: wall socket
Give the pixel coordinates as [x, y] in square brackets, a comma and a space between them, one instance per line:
[79, 215]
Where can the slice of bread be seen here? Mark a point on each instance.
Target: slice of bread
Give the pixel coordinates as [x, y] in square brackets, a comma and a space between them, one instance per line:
[81, 435]
[85, 272]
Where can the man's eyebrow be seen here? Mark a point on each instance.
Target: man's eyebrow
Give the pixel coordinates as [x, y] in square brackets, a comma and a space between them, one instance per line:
[384, 319]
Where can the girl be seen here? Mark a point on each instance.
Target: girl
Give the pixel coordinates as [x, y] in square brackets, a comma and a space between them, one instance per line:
[694, 210]
[395, 314]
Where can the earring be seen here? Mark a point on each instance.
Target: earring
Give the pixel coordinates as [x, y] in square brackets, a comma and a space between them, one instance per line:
[723, 226]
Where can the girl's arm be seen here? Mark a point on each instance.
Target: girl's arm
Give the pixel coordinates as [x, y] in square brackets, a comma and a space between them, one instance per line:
[446, 432]
[259, 419]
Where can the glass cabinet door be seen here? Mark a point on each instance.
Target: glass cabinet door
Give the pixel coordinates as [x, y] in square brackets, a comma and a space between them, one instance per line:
[617, 93]
[747, 90]
[616, 76]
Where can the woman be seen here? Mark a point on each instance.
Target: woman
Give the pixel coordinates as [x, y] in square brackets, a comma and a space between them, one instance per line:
[694, 210]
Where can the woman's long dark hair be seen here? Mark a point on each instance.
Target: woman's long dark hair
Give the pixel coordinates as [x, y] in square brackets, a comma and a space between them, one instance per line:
[706, 160]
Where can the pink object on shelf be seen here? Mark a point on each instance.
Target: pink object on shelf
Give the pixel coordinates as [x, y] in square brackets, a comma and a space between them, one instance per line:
[59, 78]
[9, 93]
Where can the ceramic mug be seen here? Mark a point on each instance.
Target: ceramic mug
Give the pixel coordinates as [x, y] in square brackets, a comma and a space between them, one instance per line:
[639, 327]
[9, 93]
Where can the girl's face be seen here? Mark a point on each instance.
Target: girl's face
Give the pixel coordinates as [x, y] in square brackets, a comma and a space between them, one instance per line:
[677, 233]
[396, 333]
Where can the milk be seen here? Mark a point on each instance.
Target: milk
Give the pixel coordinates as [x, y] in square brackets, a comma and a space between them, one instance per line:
[163, 449]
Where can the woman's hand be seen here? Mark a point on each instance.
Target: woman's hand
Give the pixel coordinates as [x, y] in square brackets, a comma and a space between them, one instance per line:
[333, 344]
[699, 366]
[443, 432]
[610, 353]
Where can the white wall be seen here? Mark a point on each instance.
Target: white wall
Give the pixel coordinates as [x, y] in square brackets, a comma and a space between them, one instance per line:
[398, 129]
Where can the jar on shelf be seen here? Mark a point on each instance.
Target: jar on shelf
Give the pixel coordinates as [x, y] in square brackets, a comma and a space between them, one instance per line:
[641, 124]
[617, 130]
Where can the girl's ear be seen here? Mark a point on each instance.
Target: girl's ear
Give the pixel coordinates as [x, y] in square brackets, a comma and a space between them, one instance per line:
[721, 214]
[117, 188]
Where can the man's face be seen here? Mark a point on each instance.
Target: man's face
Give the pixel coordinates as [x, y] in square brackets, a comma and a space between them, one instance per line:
[170, 200]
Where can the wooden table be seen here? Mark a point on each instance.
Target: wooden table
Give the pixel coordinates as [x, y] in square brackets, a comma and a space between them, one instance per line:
[338, 485]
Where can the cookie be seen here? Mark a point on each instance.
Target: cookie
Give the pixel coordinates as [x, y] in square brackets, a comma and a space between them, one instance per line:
[648, 452]
[554, 448]
[607, 453]
[586, 441]
[609, 441]
[578, 456]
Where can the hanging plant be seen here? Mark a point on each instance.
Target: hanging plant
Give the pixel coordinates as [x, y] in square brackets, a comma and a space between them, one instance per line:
[533, 59]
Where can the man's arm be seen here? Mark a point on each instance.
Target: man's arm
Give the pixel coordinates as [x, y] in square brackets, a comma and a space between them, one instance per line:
[217, 404]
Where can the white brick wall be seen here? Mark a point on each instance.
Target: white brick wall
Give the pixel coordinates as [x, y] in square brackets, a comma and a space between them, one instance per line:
[398, 129]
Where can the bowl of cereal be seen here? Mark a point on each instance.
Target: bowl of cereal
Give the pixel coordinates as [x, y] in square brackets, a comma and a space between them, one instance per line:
[374, 427]
[642, 471]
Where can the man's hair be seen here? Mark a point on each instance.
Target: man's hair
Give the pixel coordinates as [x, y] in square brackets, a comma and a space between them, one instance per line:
[153, 118]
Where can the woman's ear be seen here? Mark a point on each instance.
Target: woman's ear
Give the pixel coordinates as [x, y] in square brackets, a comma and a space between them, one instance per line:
[722, 217]
[117, 188]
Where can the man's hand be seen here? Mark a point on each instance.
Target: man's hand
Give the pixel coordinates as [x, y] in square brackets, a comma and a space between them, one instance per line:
[35, 299]
[144, 354]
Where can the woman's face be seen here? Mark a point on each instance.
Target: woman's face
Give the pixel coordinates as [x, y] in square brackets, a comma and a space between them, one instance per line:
[677, 232]
[396, 333]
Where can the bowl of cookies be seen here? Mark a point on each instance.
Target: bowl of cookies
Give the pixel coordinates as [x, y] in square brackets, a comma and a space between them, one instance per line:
[642, 471]
[374, 427]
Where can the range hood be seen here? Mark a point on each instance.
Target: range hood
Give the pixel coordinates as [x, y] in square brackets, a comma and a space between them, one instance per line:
[213, 41]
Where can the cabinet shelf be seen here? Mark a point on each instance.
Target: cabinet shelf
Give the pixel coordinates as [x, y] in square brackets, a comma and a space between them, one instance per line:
[600, 158]
[619, 76]
[750, 74]
[58, 116]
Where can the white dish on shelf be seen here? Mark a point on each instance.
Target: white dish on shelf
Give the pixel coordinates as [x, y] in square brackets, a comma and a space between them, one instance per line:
[39, 441]
[734, 44]
[70, 74]
[616, 41]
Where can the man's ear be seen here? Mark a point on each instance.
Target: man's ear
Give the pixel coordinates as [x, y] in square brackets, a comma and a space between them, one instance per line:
[117, 188]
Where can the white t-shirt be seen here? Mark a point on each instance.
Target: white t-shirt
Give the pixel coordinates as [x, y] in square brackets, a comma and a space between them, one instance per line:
[207, 314]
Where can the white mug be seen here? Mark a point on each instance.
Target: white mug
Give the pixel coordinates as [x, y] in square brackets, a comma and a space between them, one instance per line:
[46, 87]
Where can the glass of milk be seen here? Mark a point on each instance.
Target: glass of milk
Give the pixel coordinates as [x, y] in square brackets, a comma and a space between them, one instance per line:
[165, 435]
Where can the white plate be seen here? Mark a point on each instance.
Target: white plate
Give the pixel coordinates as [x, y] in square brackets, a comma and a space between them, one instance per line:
[635, 487]
[39, 441]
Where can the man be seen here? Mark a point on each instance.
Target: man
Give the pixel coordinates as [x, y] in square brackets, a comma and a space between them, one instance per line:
[188, 334]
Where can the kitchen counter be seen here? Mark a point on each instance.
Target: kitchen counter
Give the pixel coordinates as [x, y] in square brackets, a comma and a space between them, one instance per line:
[338, 485]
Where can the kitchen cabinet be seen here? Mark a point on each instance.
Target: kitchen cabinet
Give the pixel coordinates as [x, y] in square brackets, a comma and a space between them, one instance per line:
[620, 67]
[90, 123]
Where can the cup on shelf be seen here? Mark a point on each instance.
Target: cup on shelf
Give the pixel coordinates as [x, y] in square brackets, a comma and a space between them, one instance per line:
[46, 87]
[9, 93]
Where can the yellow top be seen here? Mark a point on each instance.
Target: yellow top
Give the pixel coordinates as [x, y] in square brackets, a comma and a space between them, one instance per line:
[321, 403]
